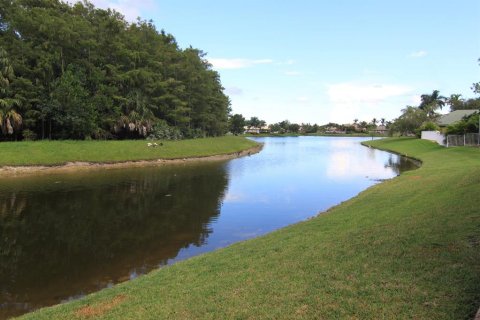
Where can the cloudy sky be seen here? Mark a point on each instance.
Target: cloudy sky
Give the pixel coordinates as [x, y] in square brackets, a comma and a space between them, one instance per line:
[321, 61]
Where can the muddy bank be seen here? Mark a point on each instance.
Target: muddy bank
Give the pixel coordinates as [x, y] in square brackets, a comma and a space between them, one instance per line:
[77, 166]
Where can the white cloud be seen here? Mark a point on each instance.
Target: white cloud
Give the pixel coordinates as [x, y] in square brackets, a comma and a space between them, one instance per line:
[418, 54]
[292, 73]
[235, 91]
[223, 63]
[131, 9]
[302, 99]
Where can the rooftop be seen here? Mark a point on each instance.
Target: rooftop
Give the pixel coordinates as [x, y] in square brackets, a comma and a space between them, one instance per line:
[454, 116]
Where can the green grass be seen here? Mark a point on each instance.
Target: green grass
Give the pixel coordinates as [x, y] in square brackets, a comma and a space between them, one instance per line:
[61, 152]
[408, 248]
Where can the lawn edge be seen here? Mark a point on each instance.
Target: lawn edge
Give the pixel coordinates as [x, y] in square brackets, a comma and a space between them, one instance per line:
[85, 165]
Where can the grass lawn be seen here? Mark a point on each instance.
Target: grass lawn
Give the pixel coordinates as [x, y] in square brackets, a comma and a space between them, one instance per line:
[61, 152]
[408, 248]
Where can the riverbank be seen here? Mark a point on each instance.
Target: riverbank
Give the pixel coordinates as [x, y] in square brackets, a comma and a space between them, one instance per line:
[63, 156]
[405, 248]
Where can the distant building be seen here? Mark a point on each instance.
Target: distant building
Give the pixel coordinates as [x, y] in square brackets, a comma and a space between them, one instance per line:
[454, 116]
[356, 127]
[256, 130]
[334, 130]
[381, 129]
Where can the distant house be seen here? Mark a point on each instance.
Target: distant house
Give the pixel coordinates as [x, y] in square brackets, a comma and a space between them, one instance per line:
[334, 130]
[265, 129]
[256, 130]
[381, 129]
[252, 130]
[454, 116]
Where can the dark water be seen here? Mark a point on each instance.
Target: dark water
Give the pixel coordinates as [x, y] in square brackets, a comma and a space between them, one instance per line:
[65, 235]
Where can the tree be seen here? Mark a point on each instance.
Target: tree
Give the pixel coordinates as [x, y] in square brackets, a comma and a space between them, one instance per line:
[10, 119]
[411, 119]
[237, 122]
[476, 86]
[254, 122]
[456, 102]
[73, 111]
[430, 103]
[71, 55]
[294, 127]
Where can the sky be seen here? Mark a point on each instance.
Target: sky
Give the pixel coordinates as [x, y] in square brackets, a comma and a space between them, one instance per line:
[312, 61]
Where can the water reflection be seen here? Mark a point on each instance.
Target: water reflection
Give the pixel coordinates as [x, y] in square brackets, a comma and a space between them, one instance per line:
[57, 232]
[63, 236]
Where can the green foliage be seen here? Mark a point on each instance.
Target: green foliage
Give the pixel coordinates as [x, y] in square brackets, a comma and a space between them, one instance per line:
[430, 103]
[84, 72]
[73, 112]
[466, 125]
[457, 103]
[237, 122]
[427, 126]
[29, 135]
[410, 120]
[162, 131]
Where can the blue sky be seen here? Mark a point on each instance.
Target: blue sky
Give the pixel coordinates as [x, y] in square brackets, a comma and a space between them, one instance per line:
[321, 61]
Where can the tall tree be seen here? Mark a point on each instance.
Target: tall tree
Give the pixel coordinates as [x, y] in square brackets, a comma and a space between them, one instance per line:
[126, 73]
[430, 103]
[10, 119]
[456, 102]
[237, 123]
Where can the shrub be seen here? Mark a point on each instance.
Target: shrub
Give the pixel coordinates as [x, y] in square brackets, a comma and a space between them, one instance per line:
[162, 131]
[29, 135]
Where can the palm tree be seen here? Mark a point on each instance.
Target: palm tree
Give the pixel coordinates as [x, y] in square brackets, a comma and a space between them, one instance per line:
[138, 116]
[431, 102]
[456, 102]
[10, 119]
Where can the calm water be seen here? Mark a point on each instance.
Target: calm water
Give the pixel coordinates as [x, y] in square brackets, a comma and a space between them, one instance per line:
[65, 235]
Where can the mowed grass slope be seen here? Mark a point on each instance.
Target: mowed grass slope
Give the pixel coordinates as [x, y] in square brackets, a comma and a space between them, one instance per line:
[408, 248]
[61, 152]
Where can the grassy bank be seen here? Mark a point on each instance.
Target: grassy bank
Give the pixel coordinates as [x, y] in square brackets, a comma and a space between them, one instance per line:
[408, 248]
[61, 152]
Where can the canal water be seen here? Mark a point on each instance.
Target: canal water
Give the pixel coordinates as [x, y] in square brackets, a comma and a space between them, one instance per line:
[63, 236]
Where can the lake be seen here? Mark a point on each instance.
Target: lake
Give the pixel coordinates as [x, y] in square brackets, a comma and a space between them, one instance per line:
[63, 236]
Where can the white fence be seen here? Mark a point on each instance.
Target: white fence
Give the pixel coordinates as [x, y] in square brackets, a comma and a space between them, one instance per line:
[434, 136]
[468, 139]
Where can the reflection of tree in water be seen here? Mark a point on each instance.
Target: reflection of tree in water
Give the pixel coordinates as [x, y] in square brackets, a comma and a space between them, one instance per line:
[400, 164]
[86, 232]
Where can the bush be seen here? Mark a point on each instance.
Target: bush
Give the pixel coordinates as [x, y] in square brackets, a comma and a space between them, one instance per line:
[162, 131]
[29, 135]
[467, 125]
[427, 126]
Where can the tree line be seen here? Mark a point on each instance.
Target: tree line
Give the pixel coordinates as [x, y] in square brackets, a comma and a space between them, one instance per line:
[73, 71]
[414, 119]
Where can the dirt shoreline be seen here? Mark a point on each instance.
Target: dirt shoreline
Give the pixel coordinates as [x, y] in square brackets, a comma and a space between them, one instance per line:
[84, 166]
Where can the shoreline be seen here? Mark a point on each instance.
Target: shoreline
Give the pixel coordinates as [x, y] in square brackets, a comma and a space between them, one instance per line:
[9, 171]
[377, 218]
